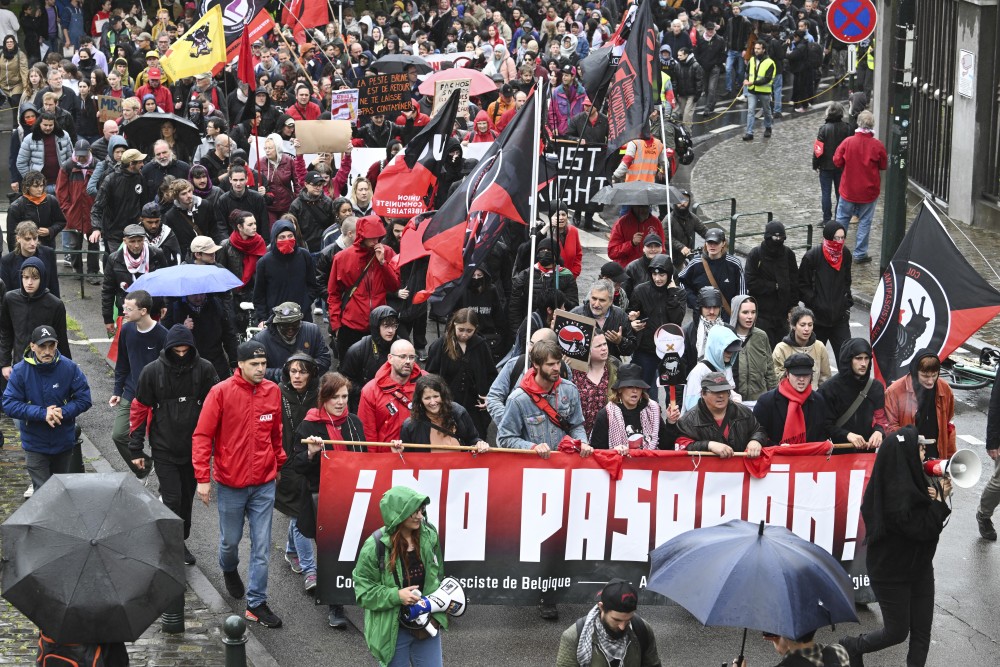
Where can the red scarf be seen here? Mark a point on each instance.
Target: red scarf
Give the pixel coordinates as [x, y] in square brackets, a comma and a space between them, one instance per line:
[333, 424]
[537, 394]
[833, 251]
[252, 248]
[795, 420]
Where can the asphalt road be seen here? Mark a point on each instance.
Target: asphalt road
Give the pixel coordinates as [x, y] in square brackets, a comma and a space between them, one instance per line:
[965, 628]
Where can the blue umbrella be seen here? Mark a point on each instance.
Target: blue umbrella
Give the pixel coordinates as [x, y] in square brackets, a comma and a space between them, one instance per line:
[187, 279]
[758, 14]
[744, 576]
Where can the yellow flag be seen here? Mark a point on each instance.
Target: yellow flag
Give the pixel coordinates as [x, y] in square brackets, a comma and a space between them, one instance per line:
[199, 49]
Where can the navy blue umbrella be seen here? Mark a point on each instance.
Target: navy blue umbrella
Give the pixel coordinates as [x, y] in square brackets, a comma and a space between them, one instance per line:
[758, 14]
[746, 576]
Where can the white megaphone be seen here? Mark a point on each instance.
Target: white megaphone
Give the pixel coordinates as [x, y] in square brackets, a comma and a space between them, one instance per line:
[964, 468]
[449, 598]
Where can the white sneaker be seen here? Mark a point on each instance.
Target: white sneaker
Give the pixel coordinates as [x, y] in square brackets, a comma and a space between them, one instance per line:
[741, 98]
[30, 491]
[317, 311]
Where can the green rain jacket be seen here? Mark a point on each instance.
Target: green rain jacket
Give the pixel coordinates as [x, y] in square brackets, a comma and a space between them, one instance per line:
[377, 591]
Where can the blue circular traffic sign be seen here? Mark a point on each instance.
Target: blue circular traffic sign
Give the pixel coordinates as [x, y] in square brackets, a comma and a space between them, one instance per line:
[851, 21]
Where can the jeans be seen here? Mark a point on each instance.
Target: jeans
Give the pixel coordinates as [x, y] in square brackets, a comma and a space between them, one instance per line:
[991, 494]
[864, 212]
[416, 652]
[73, 240]
[119, 435]
[301, 546]
[255, 503]
[648, 363]
[735, 65]
[907, 609]
[177, 487]
[829, 183]
[42, 466]
[779, 81]
[764, 100]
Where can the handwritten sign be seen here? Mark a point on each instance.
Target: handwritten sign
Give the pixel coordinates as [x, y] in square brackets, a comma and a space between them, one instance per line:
[383, 93]
[344, 105]
[442, 91]
[108, 108]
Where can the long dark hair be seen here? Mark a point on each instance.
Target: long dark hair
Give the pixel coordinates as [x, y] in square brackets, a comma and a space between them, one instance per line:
[460, 316]
[435, 383]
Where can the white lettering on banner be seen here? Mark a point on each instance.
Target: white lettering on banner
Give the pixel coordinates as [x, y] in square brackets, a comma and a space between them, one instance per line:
[722, 498]
[580, 514]
[356, 519]
[814, 514]
[676, 502]
[544, 584]
[588, 514]
[468, 495]
[542, 494]
[630, 544]
[363, 158]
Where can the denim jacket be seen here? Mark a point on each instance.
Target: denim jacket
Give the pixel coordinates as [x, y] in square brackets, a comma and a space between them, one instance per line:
[525, 424]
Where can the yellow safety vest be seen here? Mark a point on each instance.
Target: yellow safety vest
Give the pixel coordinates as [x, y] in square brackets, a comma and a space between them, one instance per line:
[647, 157]
[752, 76]
[664, 80]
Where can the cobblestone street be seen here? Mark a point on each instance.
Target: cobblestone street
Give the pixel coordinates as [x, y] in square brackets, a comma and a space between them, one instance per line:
[199, 646]
[776, 175]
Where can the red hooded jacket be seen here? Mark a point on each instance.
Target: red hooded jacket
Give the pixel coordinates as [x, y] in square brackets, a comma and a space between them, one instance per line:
[477, 137]
[240, 427]
[353, 310]
[385, 405]
[620, 248]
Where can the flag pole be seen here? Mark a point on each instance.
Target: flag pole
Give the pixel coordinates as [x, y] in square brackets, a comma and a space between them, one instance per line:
[666, 184]
[537, 125]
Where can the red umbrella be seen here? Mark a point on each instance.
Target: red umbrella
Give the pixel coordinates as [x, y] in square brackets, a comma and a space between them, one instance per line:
[481, 83]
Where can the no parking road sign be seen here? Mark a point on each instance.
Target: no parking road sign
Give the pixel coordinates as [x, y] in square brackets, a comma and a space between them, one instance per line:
[851, 21]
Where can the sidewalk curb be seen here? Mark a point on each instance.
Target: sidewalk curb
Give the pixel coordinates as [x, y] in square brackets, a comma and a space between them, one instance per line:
[257, 654]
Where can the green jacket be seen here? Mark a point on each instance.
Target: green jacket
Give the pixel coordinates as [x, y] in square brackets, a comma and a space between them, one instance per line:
[376, 590]
[634, 656]
[755, 368]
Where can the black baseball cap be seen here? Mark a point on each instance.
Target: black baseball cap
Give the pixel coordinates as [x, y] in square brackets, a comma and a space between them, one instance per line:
[150, 210]
[44, 334]
[652, 239]
[619, 595]
[251, 349]
[715, 236]
[613, 271]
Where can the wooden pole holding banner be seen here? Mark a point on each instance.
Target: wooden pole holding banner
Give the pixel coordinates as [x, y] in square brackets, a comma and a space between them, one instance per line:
[537, 129]
[845, 445]
[409, 445]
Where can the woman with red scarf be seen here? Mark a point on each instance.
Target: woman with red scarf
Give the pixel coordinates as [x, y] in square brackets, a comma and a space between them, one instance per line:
[793, 414]
[825, 286]
[329, 420]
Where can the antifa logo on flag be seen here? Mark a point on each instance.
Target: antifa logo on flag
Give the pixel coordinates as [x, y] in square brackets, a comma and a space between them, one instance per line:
[635, 84]
[929, 297]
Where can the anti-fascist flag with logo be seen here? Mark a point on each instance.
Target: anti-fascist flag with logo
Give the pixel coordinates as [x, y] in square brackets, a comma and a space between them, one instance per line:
[929, 297]
[201, 49]
[407, 185]
[597, 67]
[635, 84]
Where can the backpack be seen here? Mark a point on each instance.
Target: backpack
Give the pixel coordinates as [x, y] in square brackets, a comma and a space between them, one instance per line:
[640, 629]
[54, 654]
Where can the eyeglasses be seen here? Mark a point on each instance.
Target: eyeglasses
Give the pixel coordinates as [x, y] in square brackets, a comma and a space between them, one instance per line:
[296, 371]
[405, 357]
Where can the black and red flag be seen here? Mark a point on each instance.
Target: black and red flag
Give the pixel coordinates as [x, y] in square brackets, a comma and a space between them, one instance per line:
[635, 85]
[596, 68]
[406, 186]
[929, 297]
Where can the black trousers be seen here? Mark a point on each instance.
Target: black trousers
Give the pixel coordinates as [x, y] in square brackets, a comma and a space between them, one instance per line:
[177, 488]
[835, 335]
[907, 609]
[414, 330]
[347, 337]
[775, 326]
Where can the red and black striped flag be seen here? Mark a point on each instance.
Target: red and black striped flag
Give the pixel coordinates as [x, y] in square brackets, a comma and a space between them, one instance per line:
[635, 84]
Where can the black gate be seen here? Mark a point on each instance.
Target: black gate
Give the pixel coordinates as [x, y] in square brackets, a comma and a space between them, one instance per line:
[934, 58]
[992, 184]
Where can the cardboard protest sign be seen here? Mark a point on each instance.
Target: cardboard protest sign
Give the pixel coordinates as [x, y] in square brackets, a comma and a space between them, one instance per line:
[344, 105]
[383, 93]
[575, 334]
[442, 91]
[323, 136]
[583, 170]
[108, 108]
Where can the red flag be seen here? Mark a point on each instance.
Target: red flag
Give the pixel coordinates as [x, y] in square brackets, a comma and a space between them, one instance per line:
[245, 68]
[407, 185]
[929, 297]
[304, 14]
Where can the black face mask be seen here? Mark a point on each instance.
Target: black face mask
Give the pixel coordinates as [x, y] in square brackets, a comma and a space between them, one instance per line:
[477, 283]
[545, 257]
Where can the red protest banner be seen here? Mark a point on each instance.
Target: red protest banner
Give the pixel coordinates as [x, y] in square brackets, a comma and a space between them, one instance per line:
[519, 526]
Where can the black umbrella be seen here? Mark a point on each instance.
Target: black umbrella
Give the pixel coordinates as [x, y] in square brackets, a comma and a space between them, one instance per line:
[93, 558]
[396, 63]
[145, 130]
[637, 193]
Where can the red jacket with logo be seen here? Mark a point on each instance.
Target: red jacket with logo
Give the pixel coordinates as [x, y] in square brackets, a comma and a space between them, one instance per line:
[385, 405]
[240, 427]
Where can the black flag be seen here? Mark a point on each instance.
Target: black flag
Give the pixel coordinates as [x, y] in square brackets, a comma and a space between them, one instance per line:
[635, 84]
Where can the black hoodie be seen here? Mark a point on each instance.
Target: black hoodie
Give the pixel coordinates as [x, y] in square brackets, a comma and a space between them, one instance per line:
[294, 406]
[842, 389]
[365, 357]
[169, 396]
[213, 332]
[22, 312]
[661, 305]
[280, 278]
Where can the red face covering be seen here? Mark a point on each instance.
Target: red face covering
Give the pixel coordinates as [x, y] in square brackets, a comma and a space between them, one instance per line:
[286, 246]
